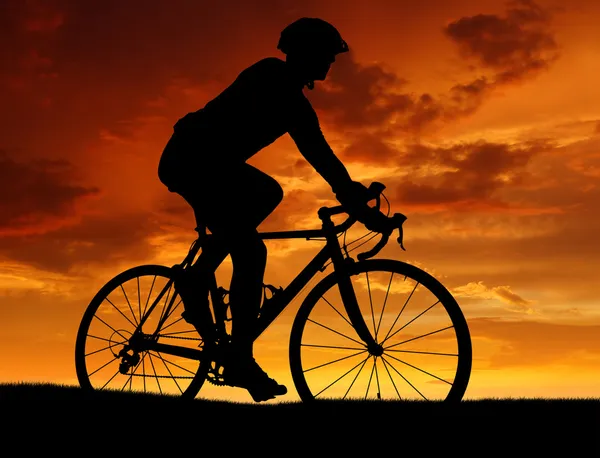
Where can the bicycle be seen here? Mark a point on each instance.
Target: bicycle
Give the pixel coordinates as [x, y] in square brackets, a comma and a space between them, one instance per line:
[139, 343]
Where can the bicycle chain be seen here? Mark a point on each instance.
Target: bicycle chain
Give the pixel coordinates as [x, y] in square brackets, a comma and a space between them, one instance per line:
[179, 337]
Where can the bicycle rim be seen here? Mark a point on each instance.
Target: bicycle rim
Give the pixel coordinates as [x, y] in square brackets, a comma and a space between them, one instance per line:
[425, 342]
[102, 359]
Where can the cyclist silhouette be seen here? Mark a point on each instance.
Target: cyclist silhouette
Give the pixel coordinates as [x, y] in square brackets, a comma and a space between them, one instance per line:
[205, 162]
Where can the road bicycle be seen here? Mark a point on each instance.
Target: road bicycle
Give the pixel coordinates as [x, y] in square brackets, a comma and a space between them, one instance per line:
[370, 329]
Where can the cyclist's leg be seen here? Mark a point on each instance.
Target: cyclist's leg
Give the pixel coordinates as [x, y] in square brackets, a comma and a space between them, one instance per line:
[234, 209]
[240, 204]
[232, 205]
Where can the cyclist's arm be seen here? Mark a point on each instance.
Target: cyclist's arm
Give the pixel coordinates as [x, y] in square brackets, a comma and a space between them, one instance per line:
[308, 137]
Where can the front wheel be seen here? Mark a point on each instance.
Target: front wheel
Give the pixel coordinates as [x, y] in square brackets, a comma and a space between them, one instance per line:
[424, 350]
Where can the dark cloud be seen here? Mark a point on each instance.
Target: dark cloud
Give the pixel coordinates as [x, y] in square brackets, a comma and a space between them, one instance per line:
[360, 95]
[516, 46]
[42, 16]
[103, 239]
[359, 98]
[467, 175]
[370, 97]
[37, 194]
[370, 148]
[371, 102]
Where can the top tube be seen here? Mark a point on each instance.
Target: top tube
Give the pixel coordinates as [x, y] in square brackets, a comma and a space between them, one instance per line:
[324, 214]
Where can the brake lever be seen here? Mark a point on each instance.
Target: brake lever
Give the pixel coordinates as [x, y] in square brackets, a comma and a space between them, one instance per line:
[398, 220]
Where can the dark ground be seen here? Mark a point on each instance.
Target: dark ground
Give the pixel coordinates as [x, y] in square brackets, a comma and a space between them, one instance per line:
[40, 418]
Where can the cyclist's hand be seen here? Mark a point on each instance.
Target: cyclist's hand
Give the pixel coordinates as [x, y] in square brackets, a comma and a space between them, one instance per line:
[352, 194]
[374, 220]
[355, 197]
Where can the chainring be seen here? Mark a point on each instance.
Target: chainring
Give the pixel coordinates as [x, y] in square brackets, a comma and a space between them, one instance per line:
[215, 374]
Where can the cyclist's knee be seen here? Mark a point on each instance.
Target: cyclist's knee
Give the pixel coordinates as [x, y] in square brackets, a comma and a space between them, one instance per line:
[275, 193]
[268, 195]
[248, 246]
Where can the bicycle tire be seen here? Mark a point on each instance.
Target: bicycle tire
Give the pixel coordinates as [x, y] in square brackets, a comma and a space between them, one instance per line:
[166, 376]
[306, 357]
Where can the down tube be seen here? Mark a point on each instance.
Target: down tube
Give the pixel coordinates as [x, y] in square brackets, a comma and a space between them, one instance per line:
[282, 299]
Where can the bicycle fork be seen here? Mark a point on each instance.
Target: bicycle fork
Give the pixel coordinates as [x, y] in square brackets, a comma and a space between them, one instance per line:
[348, 295]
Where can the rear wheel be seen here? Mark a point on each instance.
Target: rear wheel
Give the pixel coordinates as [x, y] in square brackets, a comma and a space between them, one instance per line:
[106, 356]
[424, 342]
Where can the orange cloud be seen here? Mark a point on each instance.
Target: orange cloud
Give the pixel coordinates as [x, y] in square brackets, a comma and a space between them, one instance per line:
[531, 343]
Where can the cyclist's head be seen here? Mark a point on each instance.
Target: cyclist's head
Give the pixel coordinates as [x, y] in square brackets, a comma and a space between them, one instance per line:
[311, 44]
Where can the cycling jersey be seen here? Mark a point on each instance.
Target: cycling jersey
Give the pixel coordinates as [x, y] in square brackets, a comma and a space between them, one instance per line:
[264, 102]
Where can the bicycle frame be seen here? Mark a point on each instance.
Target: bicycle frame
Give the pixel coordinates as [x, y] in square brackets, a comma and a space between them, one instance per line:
[331, 251]
[273, 307]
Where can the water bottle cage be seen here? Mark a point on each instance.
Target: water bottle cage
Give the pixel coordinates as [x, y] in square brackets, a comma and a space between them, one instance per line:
[224, 293]
[269, 289]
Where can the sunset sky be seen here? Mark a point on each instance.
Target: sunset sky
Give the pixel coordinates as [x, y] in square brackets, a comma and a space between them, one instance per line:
[482, 118]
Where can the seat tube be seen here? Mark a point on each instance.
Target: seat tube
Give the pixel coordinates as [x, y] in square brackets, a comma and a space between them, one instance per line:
[341, 267]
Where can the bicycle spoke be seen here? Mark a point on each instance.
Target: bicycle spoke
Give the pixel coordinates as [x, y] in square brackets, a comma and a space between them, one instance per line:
[174, 322]
[170, 373]
[371, 304]
[116, 344]
[130, 378]
[400, 313]
[148, 298]
[391, 378]
[166, 308]
[105, 339]
[356, 377]
[155, 374]
[336, 310]
[335, 361]
[331, 346]
[420, 314]
[158, 355]
[109, 380]
[384, 304]
[370, 378]
[339, 333]
[405, 379]
[424, 352]
[337, 380]
[103, 366]
[139, 297]
[129, 304]
[418, 337]
[171, 311]
[425, 372]
[117, 309]
[377, 379]
[110, 327]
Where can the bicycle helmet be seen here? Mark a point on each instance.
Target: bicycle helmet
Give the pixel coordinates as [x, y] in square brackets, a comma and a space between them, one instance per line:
[308, 35]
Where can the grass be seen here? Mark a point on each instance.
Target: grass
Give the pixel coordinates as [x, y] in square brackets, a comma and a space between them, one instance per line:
[107, 417]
